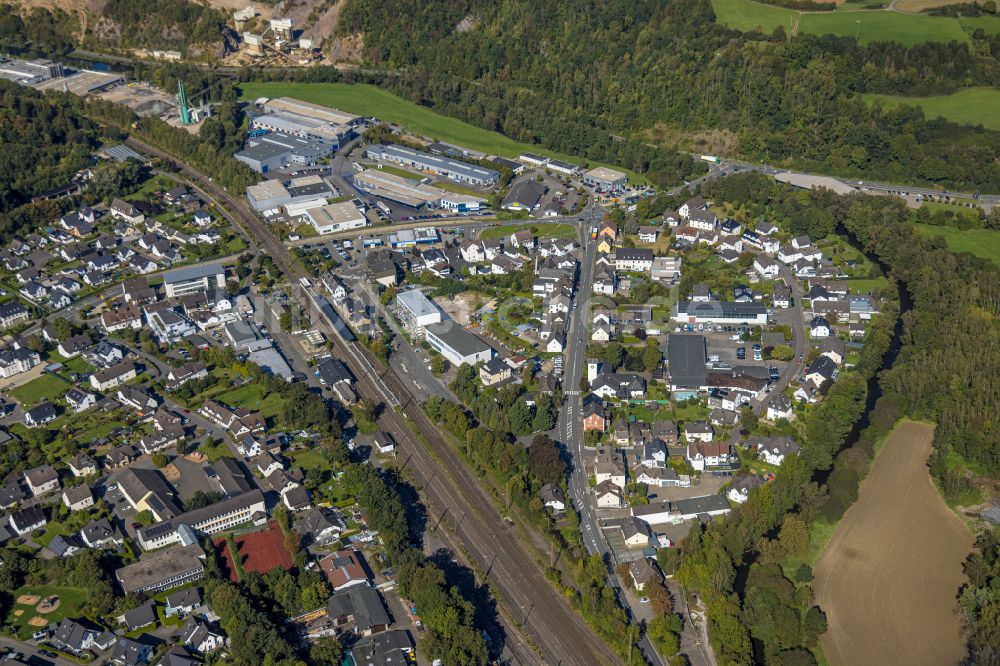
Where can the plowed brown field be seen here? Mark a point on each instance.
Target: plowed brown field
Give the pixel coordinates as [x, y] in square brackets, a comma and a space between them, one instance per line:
[889, 576]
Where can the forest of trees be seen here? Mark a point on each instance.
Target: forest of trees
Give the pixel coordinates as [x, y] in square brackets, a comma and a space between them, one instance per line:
[184, 25]
[600, 79]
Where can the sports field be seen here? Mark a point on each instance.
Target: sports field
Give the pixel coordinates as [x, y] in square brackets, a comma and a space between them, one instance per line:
[369, 100]
[983, 243]
[865, 25]
[972, 106]
[889, 575]
[259, 551]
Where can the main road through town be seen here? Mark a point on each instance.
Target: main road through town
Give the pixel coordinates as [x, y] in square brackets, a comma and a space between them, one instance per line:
[538, 620]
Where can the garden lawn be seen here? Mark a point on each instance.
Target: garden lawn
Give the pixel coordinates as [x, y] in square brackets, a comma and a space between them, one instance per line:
[252, 397]
[369, 100]
[47, 387]
[71, 600]
[311, 458]
[971, 106]
[983, 243]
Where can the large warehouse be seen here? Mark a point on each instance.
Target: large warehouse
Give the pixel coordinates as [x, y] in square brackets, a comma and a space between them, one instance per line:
[270, 195]
[396, 188]
[720, 312]
[456, 344]
[604, 179]
[332, 218]
[277, 149]
[326, 114]
[441, 166]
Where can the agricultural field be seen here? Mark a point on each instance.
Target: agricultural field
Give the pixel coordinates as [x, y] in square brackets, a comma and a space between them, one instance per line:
[866, 25]
[972, 106]
[983, 243]
[889, 575]
[369, 100]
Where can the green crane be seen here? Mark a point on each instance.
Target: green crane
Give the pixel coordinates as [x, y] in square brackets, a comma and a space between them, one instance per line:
[182, 101]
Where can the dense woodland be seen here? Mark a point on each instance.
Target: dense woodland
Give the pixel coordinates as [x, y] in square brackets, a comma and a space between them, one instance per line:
[45, 139]
[944, 372]
[196, 28]
[583, 77]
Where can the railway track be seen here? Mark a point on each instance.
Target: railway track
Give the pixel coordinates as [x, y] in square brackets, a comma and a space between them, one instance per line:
[537, 617]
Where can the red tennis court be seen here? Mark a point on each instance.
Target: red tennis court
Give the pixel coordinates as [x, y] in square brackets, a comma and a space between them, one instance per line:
[259, 551]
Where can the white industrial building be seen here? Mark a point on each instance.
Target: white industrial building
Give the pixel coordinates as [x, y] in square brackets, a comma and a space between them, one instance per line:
[192, 279]
[456, 344]
[332, 218]
[416, 311]
[461, 172]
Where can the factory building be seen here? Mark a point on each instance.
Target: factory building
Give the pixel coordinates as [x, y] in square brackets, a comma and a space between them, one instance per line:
[277, 150]
[604, 179]
[461, 172]
[294, 107]
[396, 188]
[335, 217]
[456, 344]
[270, 195]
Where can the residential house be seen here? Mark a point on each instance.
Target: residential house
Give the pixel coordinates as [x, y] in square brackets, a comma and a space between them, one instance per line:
[113, 377]
[344, 569]
[648, 234]
[552, 497]
[780, 407]
[773, 450]
[739, 489]
[74, 637]
[359, 608]
[129, 652]
[41, 480]
[28, 520]
[182, 602]
[100, 533]
[698, 431]
[127, 316]
[199, 636]
[595, 414]
[634, 260]
[821, 370]
[703, 455]
[17, 360]
[320, 525]
[78, 498]
[609, 466]
[643, 572]
[608, 495]
[695, 203]
[494, 371]
[79, 401]
[137, 398]
[819, 327]
[12, 313]
[143, 615]
[82, 465]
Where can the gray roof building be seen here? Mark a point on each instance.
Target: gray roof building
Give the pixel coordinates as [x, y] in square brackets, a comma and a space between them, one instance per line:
[686, 357]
